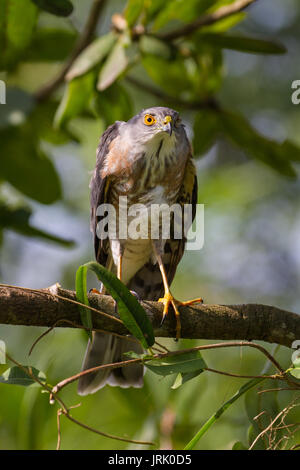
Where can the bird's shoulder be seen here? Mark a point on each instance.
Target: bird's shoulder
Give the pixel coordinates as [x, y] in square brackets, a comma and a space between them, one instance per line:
[106, 140]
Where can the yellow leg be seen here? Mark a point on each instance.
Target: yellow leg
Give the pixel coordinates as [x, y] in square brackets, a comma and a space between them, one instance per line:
[119, 269]
[168, 298]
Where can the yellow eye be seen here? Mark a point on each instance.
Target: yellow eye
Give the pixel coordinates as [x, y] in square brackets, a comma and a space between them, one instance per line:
[149, 120]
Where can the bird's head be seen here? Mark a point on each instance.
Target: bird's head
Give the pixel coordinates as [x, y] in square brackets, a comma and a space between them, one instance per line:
[157, 121]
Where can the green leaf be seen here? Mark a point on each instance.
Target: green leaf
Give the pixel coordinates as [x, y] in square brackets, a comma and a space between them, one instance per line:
[207, 71]
[81, 295]
[3, 7]
[21, 109]
[26, 167]
[226, 23]
[113, 104]
[296, 359]
[19, 105]
[16, 29]
[20, 22]
[76, 98]
[116, 63]
[35, 232]
[22, 163]
[134, 355]
[242, 134]
[182, 10]
[295, 372]
[154, 46]
[239, 446]
[241, 43]
[92, 55]
[291, 149]
[152, 8]
[247, 386]
[41, 122]
[182, 363]
[133, 10]
[44, 45]
[206, 129]
[131, 312]
[170, 75]
[56, 7]
[182, 378]
[17, 376]
[18, 219]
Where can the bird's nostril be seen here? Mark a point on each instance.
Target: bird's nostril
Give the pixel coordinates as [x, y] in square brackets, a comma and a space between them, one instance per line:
[167, 119]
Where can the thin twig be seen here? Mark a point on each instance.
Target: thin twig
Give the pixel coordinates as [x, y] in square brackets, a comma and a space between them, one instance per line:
[65, 409]
[114, 365]
[74, 325]
[116, 438]
[239, 376]
[277, 390]
[294, 447]
[206, 20]
[84, 40]
[262, 433]
[162, 346]
[126, 363]
[59, 413]
[209, 102]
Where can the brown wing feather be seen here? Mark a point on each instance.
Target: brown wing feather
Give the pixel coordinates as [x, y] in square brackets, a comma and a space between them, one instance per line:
[147, 282]
[100, 190]
[188, 195]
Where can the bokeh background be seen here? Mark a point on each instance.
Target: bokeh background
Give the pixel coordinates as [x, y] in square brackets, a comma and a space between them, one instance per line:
[252, 220]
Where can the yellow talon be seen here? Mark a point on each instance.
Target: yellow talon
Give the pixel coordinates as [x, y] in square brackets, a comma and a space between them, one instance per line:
[94, 291]
[199, 300]
[169, 299]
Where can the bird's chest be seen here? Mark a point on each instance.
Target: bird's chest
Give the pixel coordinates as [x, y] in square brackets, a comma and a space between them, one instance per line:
[152, 180]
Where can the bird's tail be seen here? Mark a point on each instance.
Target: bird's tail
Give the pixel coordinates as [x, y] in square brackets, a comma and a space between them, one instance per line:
[108, 349]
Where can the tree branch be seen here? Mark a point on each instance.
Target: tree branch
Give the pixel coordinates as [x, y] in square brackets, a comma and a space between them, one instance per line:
[46, 307]
[206, 20]
[83, 41]
[208, 102]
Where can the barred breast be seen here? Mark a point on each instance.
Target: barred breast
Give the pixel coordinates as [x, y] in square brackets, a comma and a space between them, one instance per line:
[138, 251]
[153, 174]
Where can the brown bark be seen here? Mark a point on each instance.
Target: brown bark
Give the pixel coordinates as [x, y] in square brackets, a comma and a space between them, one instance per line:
[52, 306]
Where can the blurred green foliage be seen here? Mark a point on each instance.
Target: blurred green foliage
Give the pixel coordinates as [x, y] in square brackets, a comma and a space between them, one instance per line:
[231, 81]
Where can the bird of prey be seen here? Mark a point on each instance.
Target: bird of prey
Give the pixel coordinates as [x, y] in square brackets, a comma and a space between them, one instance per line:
[149, 160]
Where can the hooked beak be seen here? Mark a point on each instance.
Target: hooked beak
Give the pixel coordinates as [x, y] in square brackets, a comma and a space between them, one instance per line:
[168, 126]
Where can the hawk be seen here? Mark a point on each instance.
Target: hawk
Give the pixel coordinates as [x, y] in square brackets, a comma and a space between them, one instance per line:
[149, 160]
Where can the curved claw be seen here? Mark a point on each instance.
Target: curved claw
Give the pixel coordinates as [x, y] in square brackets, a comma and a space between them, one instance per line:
[94, 291]
[136, 295]
[169, 299]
